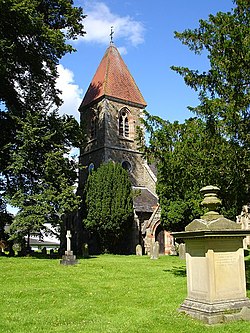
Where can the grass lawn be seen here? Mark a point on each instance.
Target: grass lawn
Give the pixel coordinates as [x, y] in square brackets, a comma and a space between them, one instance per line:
[120, 294]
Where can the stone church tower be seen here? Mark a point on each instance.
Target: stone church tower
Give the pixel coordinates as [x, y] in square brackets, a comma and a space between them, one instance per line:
[110, 113]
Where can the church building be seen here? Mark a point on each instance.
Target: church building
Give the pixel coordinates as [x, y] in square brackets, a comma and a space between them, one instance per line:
[110, 114]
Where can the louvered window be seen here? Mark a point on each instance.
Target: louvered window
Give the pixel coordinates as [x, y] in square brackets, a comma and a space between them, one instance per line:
[123, 123]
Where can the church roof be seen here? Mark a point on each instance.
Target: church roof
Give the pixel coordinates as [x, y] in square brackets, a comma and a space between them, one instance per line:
[145, 202]
[113, 79]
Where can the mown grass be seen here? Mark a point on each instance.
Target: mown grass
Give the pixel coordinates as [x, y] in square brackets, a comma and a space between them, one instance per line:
[121, 294]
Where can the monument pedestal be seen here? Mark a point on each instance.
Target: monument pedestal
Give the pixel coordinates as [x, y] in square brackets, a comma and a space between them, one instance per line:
[216, 280]
[215, 276]
[69, 258]
[217, 312]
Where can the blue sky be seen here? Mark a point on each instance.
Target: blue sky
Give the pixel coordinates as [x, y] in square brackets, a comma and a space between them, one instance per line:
[144, 34]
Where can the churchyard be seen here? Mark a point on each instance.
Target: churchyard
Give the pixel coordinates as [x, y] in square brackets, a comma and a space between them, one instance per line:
[101, 294]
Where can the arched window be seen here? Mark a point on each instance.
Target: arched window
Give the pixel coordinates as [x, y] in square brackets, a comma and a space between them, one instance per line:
[123, 123]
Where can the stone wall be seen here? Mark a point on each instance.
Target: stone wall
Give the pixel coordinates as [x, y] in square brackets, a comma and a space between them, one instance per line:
[109, 145]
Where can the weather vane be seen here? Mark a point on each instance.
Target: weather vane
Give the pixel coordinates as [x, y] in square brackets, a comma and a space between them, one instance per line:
[111, 35]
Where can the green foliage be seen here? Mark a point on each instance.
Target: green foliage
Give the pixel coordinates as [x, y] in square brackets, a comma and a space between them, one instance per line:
[33, 37]
[214, 149]
[5, 219]
[109, 205]
[224, 90]
[41, 177]
[35, 172]
[190, 156]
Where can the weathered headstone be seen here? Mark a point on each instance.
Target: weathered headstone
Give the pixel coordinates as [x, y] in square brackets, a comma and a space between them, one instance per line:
[85, 250]
[244, 220]
[138, 250]
[173, 251]
[216, 281]
[69, 258]
[155, 251]
[182, 251]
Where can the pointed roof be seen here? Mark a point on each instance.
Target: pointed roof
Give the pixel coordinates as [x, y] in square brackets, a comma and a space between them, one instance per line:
[113, 79]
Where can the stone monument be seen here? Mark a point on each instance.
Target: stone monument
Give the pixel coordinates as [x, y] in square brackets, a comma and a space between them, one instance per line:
[138, 250]
[85, 251]
[182, 251]
[155, 250]
[244, 220]
[216, 281]
[69, 258]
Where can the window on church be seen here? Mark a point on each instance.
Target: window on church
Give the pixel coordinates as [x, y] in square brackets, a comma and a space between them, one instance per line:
[91, 167]
[126, 165]
[123, 123]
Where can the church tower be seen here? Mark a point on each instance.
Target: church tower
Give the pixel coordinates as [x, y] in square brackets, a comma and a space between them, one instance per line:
[110, 114]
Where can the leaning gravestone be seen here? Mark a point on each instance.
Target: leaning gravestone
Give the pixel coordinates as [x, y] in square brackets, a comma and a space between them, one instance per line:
[138, 250]
[155, 250]
[216, 281]
[69, 258]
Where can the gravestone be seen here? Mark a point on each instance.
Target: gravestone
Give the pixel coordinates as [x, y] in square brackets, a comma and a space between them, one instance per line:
[182, 251]
[85, 250]
[155, 250]
[244, 220]
[173, 251]
[138, 250]
[216, 281]
[69, 258]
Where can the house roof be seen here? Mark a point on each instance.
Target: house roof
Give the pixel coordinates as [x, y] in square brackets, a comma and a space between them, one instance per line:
[113, 79]
[35, 242]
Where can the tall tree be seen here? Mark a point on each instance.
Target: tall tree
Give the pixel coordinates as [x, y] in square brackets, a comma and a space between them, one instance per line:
[35, 174]
[5, 221]
[109, 206]
[216, 148]
[190, 156]
[33, 37]
[224, 90]
[41, 177]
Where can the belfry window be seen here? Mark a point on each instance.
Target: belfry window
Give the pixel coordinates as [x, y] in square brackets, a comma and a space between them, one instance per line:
[123, 123]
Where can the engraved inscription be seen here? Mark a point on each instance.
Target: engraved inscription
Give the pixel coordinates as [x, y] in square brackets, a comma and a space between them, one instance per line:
[228, 279]
[226, 259]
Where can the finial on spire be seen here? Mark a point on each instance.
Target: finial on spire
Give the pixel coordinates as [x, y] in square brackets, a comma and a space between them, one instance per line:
[111, 35]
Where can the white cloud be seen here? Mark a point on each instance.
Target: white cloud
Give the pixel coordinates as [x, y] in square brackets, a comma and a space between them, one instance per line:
[122, 50]
[99, 21]
[71, 92]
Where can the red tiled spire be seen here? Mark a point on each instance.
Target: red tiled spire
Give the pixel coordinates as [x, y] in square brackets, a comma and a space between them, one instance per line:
[113, 79]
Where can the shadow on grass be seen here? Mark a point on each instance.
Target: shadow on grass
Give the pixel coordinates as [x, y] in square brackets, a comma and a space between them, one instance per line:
[177, 271]
[37, 255]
